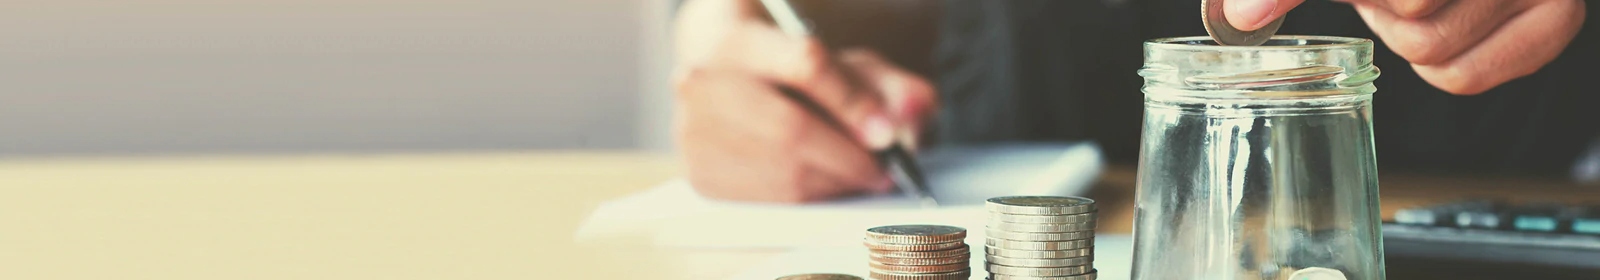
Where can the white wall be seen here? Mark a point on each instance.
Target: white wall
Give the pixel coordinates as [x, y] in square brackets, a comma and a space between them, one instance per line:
[207, 76]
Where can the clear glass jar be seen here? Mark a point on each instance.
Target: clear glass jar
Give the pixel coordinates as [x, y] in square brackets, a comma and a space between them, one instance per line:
[1258, 162]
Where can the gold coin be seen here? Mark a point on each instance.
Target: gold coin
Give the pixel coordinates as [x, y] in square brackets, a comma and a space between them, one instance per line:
[962, 250]
[958, 275]
[919, 269]
[965, 257]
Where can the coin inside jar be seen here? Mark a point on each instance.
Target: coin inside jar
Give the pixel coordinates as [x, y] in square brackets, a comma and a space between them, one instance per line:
[1225, 34]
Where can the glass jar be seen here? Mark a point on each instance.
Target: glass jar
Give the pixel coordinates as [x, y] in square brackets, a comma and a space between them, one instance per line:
[1258, 162]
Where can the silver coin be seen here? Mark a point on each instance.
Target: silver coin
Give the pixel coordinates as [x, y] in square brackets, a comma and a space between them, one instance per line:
[820, 276]
[1039, 245]
[1021, 262]
[1039, 205]
[1038, 236]
[1092, 275]
[1317, 273]
[1037, 271]
[1030, 254]
[1021, 227]
[915, 234]
[1053, 219]
[1225, 34]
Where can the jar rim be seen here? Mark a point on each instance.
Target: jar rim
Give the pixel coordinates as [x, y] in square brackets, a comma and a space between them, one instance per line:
[1277, 42]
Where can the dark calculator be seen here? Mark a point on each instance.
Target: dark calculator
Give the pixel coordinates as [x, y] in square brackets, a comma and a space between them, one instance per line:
[1479, 237]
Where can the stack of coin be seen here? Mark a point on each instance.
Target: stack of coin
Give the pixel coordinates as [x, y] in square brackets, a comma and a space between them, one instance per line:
[918, 252]
[1040, 238]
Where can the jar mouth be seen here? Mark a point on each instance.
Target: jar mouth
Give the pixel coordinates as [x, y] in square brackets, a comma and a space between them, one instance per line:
[1285, 67]
[1277, 42]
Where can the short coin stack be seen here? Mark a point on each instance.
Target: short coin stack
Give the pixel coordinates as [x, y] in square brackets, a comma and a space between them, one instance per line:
[918, 252]
[1040, 238]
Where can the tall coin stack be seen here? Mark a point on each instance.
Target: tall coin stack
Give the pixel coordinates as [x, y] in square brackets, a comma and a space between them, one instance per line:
[1040, 238]
[918, 252]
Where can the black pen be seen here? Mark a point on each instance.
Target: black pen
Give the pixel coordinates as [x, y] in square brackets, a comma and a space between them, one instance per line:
[902, 164]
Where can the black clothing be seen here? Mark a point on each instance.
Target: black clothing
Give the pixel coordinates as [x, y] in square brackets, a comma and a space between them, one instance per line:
[1050, 70]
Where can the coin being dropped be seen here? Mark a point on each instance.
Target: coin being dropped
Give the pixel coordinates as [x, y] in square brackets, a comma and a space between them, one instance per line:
[1225, 34]
[820, 276]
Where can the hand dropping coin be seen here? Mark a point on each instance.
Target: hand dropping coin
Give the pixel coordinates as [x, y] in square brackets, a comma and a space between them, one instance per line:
[1225, 34]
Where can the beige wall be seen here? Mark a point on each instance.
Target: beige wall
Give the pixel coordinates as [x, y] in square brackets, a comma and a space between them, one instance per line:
[207, 76]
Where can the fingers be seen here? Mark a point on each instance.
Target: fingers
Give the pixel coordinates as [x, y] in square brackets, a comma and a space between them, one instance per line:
[1412, 9]
[809, 67]
[1519, 48]
[744, 140]
[1250, 15]
[910, 99]
[1441, 35]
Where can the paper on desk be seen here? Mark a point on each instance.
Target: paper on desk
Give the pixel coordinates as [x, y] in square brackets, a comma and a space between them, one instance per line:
[674, 215]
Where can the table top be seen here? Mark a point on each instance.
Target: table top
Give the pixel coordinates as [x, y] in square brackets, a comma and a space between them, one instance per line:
[439, 216]
[418, 216]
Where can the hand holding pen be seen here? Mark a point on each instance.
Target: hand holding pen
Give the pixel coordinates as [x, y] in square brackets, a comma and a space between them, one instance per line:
[765, 115]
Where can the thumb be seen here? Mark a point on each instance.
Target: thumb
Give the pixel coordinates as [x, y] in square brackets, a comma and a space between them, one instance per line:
[1249, 15]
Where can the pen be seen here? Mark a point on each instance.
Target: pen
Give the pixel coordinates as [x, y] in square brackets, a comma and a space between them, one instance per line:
[902, 165]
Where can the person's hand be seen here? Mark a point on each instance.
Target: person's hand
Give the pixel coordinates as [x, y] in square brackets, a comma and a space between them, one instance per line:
[745, 139]
[1463, 47]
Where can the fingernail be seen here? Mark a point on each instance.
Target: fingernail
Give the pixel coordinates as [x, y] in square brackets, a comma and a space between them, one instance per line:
[894, 95]
[877, 132]
[1249, 15]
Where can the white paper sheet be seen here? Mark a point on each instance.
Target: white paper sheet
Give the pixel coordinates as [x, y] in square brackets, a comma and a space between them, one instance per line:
[674, 215]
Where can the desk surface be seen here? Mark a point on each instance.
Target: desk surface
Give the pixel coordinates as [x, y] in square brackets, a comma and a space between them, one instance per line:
[454, 216]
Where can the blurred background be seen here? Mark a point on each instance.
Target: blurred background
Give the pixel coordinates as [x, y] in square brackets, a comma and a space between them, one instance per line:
[89, 78]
